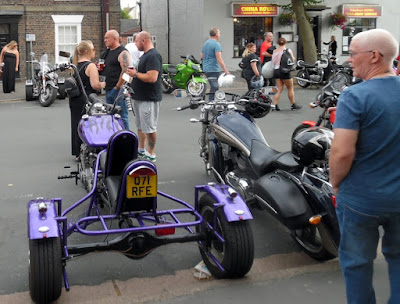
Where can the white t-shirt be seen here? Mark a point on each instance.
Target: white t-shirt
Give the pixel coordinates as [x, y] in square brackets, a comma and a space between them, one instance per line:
[134, 52]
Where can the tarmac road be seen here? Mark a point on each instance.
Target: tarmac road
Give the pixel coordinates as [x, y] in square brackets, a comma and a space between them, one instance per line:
[35, 147]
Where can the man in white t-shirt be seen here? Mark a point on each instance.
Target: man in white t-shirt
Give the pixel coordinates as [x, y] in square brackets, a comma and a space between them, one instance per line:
[134, 52]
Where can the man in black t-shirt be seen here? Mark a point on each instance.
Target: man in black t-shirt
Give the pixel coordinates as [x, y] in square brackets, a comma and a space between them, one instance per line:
[147, 94]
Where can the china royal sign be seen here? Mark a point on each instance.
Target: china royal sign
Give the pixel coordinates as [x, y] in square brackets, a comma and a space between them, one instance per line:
[362, 11]
[254, 10]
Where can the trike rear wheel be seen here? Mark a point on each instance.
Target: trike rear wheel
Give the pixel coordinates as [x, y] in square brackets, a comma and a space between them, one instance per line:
[236, 254]
[45, 270]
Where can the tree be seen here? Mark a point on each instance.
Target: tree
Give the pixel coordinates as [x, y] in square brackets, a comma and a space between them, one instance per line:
[303, 21]
[125, 13]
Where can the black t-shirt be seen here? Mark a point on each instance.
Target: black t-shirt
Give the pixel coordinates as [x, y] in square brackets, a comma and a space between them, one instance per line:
[248, 71]
[144, 91]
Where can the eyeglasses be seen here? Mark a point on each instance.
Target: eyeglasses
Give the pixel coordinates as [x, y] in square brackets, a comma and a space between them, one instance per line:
[352, 54]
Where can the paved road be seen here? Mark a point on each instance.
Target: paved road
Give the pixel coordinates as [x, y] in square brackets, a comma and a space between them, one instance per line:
[35, 147]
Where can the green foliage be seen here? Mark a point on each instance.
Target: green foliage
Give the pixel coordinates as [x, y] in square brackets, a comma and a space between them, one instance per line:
[125, 14]
[287, 18]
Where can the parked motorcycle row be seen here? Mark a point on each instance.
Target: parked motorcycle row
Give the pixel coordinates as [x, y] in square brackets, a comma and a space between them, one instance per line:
[121, 200]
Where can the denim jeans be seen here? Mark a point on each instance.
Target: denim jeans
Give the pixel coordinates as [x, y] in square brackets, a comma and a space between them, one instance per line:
[110, 98]
[212, 78]
[357, 251]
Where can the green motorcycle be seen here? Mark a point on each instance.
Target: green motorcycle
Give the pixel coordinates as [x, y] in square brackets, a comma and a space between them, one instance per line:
[187, 75]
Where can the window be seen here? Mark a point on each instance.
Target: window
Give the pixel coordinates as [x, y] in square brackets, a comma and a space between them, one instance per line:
[249, 29]
[67, 34]
[354, 26]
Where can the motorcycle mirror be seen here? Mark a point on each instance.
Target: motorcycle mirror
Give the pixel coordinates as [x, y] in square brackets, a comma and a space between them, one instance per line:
[180, 93]
[64, 54]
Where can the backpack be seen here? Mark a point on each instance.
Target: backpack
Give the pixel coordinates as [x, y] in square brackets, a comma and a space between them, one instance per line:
[287, 63]
[72, 87]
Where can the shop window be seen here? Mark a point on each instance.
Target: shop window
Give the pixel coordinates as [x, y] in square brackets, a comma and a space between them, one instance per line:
[354, 26]
[67, 34]
[249, 29]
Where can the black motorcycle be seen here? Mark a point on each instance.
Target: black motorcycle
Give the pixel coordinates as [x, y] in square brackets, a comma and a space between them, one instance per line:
[45, 83]
[320, 72]
[293, 186]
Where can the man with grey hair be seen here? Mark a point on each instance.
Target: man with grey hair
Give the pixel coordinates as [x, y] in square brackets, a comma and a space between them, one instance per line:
[133, 51]
[211, 54]
[365, 167]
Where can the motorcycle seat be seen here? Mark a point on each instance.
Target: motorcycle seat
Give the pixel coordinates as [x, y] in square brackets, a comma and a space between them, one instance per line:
[307, 65]
[171, 69]
[265, 159]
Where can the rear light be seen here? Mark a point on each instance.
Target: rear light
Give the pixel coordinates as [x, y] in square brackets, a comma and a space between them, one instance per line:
[334, 201]
[165, 231]
[315, 220]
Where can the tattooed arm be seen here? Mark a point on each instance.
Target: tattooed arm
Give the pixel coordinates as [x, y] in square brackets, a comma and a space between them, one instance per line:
[124, 59]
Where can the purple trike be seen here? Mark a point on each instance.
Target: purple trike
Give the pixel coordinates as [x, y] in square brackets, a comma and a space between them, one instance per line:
[127, 187]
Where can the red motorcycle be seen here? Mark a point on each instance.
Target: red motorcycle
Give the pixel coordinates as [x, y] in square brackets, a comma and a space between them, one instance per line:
[327, 100]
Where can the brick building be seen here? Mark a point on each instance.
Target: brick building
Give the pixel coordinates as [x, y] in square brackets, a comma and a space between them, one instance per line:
[55, 25]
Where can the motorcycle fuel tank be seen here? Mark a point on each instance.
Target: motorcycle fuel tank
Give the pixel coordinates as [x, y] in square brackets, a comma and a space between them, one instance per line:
[96, 130]
[237, 129]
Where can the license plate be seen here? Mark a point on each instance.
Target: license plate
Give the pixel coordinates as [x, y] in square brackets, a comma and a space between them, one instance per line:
[140, 186]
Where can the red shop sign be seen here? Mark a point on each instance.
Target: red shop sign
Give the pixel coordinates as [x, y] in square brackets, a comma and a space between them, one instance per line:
[362, 11]
[254, 10]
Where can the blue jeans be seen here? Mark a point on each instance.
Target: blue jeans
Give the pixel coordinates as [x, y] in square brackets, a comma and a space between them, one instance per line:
[212, 78]
[110, 98]
[357, 251]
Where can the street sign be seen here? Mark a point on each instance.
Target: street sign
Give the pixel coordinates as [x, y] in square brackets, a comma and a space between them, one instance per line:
[30, 37]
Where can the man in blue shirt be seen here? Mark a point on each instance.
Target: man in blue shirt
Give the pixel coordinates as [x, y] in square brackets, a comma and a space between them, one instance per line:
[211, 55]
[365, 166]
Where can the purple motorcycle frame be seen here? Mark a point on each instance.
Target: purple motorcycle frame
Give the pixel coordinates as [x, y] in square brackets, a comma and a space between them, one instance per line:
[220, 221]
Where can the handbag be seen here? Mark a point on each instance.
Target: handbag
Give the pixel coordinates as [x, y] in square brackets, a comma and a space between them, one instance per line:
[71, 85]
[268, 70]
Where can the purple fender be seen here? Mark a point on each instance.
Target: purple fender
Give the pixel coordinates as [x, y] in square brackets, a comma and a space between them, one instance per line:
[42, 225]
[235, 208]
[96, 130]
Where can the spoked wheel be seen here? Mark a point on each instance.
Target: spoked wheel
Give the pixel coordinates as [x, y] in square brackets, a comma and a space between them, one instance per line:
[165, 87]
[236, 254]
[47, 97]
[299, 129]
[196, 88]
[302, 83]
[215, 159]
[45, 270]
[312, 242]
[341, 80]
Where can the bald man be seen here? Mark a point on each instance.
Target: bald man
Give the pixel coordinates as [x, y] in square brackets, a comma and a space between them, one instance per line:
[365, 167]
[117, 60]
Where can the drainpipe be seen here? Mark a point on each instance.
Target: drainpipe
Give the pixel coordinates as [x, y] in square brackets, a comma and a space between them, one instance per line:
[169, 30]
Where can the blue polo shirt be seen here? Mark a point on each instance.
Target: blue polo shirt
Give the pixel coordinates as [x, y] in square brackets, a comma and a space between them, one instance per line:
[210, 63]
[373, 108]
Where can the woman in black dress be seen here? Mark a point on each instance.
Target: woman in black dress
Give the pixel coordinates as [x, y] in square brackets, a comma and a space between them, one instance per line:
[251, 63]
[9, 62]
[89, 74]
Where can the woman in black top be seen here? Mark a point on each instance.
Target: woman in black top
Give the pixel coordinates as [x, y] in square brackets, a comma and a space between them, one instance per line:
[89, 74]
[332, 45]
[251, 62]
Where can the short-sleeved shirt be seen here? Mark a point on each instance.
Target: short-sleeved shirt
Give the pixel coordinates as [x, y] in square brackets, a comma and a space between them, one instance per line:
[372, 108]
[144, 91]
[247, 70]
[210, 63]
[264, 47]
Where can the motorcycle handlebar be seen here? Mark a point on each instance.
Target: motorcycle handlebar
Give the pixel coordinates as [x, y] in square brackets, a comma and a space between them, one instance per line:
[183, 107]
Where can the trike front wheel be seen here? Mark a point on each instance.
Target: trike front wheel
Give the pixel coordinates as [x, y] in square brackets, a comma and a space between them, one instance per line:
[45, 270]
[229, 244]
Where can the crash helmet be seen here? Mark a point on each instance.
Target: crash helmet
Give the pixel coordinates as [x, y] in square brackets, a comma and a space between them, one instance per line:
[261, 107]
[257, 82]
[225, 80]
[312, 146]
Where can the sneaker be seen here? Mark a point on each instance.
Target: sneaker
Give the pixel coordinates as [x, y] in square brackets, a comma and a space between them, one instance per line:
[296, 106]
[142, 154]
[276, 108]
[150, 157]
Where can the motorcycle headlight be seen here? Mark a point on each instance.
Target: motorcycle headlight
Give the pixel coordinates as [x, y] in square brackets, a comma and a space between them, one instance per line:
[219, 95]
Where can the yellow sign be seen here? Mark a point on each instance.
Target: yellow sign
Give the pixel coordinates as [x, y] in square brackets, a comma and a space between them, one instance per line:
[254, 10]
[362, 11]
